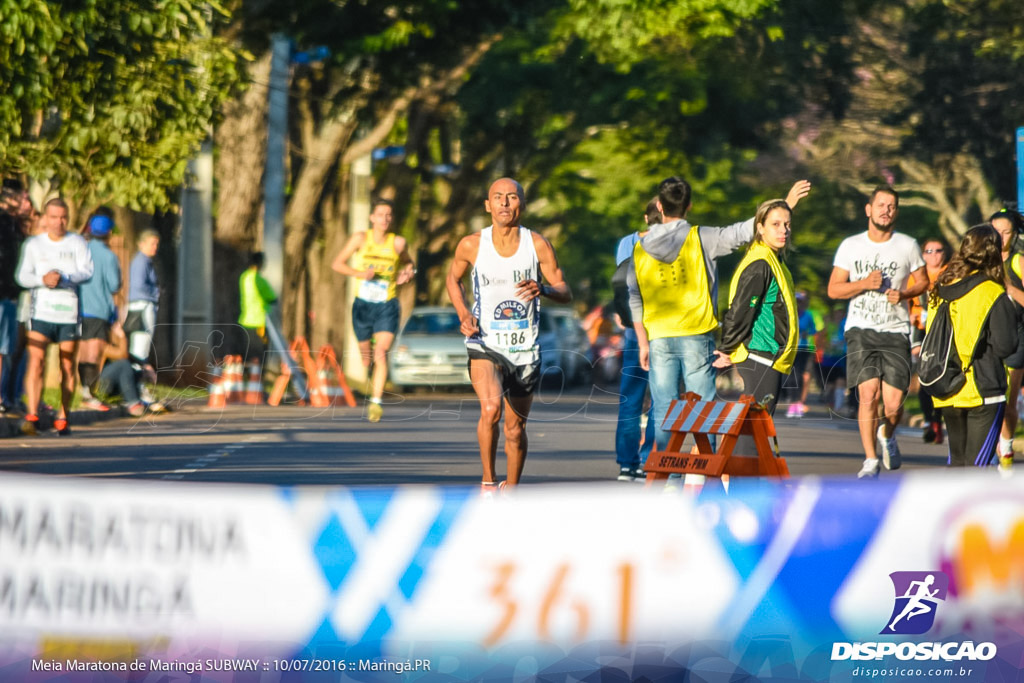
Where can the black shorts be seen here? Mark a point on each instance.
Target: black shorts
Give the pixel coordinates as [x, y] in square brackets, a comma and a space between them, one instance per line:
[55, 333]
[800, 362]
[95, 328]
[871, 354]
[833, 368]
[516, 380]
[369, 318]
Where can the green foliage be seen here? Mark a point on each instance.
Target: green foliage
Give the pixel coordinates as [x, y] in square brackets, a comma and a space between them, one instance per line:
[970, 92]
[109, 99]
[624, 32]
[591, 140]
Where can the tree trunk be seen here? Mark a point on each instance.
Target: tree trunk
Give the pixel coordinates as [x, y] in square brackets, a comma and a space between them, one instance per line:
[241, 139]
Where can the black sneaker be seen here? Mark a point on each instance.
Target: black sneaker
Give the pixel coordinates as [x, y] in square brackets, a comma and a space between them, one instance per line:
[639, 474]
[626, 474]
[929, 435]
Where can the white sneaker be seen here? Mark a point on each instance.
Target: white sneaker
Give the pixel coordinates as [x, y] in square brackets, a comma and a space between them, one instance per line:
[889, 449]
[869, 470]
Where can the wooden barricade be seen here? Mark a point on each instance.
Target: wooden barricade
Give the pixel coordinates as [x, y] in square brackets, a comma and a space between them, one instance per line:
[299, 351]
[337, 390]
[728, 420]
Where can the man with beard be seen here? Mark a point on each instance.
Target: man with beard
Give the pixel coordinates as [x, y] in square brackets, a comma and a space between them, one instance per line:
[871, 269]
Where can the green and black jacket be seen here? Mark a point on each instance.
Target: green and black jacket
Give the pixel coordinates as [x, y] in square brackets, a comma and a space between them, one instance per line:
[761, 322]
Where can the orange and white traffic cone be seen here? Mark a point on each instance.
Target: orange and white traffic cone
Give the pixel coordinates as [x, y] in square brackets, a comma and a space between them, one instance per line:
[235, 389]
[254, 386]
[216, 389]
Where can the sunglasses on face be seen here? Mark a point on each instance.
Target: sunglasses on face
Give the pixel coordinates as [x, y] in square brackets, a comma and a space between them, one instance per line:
[934, 251]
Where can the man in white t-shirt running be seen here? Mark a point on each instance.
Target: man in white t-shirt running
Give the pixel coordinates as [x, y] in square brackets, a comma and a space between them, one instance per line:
[871, 269]
[53, 264]
[507, 262]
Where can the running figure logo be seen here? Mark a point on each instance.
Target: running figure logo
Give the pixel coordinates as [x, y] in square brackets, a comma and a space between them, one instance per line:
[917, 598]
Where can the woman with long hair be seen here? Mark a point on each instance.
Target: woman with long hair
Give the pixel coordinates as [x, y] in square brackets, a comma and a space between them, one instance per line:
[1009, 225]
[935, 254]
[984, 327]
[760, 330]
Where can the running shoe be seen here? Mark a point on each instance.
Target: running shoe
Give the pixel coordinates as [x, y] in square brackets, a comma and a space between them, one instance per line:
[801, 409]
[625, 474]
[95, 404]
[30, 425]
[869, 470]
[157, 408]
[793, 410]
[374, 412]
[639, 475]
[137, 409]
[491, 489]
[62, 426]
[937, 427]
[1006, 466]
[889, 449]
[929, 433]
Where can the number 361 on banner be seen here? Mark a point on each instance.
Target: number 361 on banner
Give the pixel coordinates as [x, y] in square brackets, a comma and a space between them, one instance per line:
[529, 568]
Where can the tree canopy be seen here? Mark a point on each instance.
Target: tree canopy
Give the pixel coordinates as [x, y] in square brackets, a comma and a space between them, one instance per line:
[588, 102]
[107, 100]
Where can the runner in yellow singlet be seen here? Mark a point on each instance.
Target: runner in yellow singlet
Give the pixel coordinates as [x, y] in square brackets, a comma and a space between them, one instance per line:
[380, 263]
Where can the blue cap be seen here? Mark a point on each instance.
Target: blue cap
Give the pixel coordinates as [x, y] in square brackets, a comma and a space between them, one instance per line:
[100, 226]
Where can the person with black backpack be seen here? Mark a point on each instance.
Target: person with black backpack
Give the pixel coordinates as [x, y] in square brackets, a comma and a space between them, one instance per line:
[971, 328]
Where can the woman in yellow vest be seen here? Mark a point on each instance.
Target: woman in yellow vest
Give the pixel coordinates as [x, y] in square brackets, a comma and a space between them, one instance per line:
[1009, 225]
[985, 332]
[380, 262]
[760, 331]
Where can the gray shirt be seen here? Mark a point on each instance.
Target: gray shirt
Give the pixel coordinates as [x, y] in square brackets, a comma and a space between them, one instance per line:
[664, 241]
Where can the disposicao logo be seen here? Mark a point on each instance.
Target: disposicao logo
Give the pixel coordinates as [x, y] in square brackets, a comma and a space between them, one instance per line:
[917, 599]
[918, 595]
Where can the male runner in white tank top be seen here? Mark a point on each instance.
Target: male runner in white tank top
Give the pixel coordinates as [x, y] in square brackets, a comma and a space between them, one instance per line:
[507, 262]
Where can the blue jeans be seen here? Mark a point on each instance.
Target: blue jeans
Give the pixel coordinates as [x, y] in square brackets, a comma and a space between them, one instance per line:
[632, 389]
[679, 358]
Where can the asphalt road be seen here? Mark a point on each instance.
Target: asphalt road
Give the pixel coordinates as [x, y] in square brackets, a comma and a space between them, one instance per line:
[423, 438]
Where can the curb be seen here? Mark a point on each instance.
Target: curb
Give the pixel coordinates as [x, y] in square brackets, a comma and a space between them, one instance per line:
[11, 426]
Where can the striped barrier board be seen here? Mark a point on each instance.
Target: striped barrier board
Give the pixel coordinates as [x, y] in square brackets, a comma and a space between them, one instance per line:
[728, 421]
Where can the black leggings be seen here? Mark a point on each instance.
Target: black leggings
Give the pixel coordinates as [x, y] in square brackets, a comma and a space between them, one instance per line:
[972, 434]
[931, 413]
[761, 380]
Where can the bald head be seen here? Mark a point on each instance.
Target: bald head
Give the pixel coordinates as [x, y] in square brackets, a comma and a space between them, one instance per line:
[505, 184]
[505, 201]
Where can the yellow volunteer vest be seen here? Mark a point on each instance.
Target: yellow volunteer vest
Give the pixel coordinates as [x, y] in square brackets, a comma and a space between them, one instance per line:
[759, 251]
[1015, 265]
[383, 258]
[676, 296]
[968, 313]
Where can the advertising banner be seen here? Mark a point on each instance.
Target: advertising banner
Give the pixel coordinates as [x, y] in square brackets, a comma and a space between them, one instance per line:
[907, 578]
